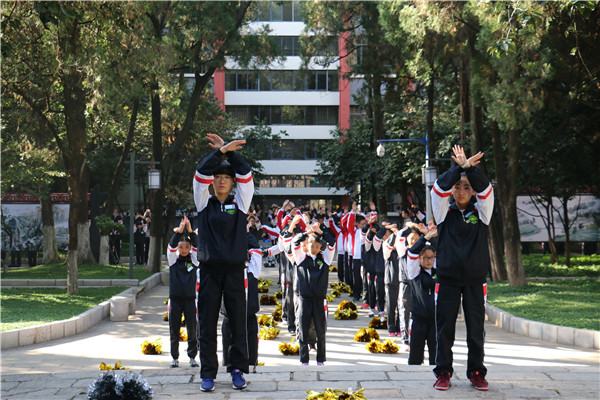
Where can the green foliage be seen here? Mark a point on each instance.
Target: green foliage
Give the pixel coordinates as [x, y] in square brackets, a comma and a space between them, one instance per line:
[106, 225]
[537, 265]
[29, 307]
[571, 302]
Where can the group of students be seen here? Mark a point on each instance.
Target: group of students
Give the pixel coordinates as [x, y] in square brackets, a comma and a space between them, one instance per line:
[417, 270]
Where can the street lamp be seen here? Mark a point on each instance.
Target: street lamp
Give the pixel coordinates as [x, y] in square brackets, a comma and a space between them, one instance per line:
[154, 179]
[429, 172]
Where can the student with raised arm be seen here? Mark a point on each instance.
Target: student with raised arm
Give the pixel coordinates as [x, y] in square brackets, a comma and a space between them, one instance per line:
[462, 263]
[222, 253]
[312, 274]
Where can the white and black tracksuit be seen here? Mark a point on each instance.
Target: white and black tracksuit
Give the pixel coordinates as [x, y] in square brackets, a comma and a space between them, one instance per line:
[312, 276]
[462, 266]
[222, 253]
[183, 280]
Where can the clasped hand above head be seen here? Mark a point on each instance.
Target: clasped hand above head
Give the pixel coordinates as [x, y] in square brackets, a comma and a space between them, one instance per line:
[217, 143]
[461, 159]
[185, 223]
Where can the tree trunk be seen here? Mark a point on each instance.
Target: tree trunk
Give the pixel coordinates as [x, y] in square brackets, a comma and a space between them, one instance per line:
[158, 196]
[567, 233]
[495, 246]
[507, 198]
[74, 99]
[50, 248]
[104, 250]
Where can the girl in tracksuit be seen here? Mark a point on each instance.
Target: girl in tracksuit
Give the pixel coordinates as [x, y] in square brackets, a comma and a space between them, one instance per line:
[183, 268]
[463, 263]
[421, 271]
[312, 275]
[222, 253]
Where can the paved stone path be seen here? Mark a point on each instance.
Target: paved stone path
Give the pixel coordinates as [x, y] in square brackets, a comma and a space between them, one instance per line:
[518, 367]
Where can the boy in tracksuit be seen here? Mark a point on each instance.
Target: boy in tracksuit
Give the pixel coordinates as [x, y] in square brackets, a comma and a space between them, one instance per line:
[368, 256]
[462, 263]
[356, 238]
[421, 271]
[312, 275]
[253, 269]
[393, 249]
[222, 253]
[183, 277]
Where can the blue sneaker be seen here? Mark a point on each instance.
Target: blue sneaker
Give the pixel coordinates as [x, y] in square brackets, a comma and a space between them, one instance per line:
[208, 385]
[237, 378]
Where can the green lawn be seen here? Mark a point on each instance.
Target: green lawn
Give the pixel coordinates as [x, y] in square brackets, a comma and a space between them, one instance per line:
[537, 265]
[572, 302]
[28, 307]
[58, 270]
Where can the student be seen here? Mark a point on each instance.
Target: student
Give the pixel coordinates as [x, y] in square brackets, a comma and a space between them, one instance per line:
[222, 253]
[462, 263]
[335, 227]
[421, 271]
[183, 268]
[368, 257]
[312, 275]
[253, 269]
[393, 249]
[412, 235]
[139, 239]
[356, 238]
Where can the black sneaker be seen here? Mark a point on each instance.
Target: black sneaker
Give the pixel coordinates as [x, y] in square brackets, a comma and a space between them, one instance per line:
[174, 364]
[193, 363]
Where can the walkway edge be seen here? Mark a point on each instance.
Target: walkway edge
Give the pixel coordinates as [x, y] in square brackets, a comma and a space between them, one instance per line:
[72, 326]
[584, 338]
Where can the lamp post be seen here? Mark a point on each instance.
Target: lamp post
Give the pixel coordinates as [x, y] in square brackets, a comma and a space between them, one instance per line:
[153, 183]
[429, 172]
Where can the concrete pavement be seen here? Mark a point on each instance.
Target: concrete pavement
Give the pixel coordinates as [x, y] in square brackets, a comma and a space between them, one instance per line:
[518, 367]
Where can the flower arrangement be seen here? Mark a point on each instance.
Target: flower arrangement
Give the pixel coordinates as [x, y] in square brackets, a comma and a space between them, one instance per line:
[378, 323]
[267, 300]
[388, 346]
[336, 394]
[268, 333]
[266, 320]
[277, 313]
[366, 335]
[123, 387]
[108, 367]
[289, 349]
[149, 347]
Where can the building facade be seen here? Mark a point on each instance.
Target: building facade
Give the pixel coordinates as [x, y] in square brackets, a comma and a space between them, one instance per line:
[302, 106]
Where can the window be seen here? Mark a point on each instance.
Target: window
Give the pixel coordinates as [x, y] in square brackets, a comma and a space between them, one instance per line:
[323, 80]
[286, 115]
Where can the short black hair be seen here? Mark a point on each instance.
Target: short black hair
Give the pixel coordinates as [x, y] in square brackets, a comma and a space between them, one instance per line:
[225, 169]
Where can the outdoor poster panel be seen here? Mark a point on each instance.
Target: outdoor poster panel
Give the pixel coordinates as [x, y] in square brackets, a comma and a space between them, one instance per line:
[584, 218]
[22, 226]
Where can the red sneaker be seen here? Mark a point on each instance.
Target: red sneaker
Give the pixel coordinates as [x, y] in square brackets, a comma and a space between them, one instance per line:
[443, 381]
[478, 381]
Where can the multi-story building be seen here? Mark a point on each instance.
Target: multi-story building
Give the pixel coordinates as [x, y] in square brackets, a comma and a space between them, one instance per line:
[305, 105]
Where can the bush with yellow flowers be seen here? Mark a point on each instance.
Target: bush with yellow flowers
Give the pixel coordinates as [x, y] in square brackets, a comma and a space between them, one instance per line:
[266, 320]
[268, 333]
[149, 347]
[108, 367]
[277, 313]
[378, 323]
[267, 300]
[289, 349]
[388, 346]
[366, 335]
[335, 394]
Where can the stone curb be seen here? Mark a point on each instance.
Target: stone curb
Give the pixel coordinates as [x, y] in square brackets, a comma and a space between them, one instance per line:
[79, 324]
[584, 338]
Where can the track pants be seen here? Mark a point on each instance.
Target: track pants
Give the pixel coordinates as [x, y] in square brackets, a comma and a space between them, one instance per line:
[447, 302]
[230, 287]
[421, 332]
[187, 307]
[312, 311]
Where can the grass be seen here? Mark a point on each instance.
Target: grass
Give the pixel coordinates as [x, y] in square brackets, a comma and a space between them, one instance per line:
[572, 302]
[28, 307]
[537, 265]
[58, 270]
